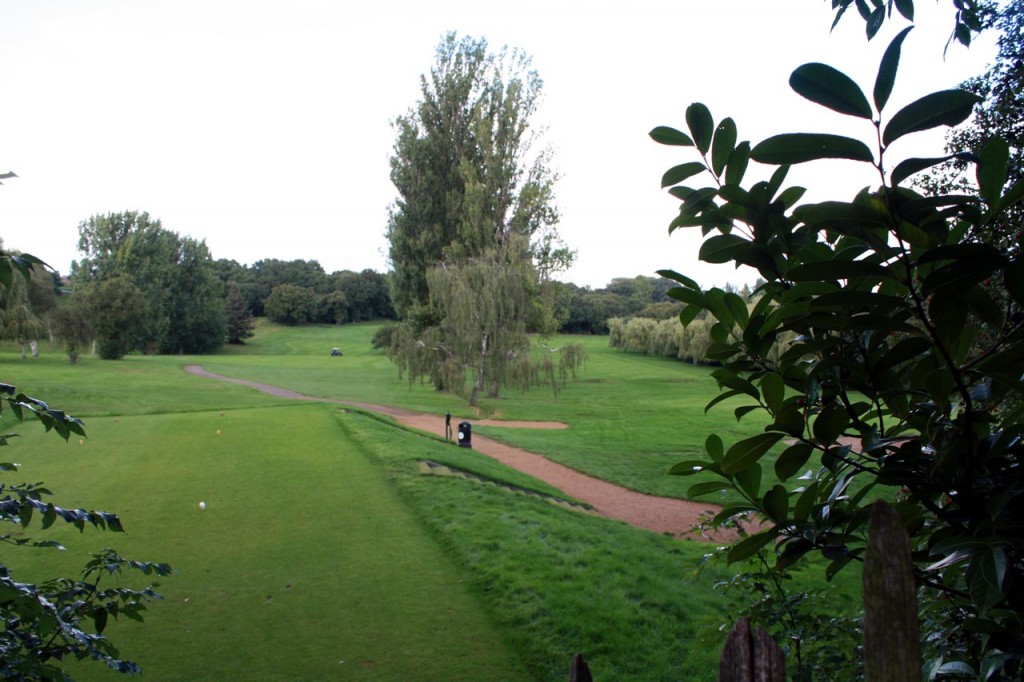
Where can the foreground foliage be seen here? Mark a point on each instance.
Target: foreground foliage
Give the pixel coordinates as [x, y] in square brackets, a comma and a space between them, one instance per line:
[62, 618]
[905, 374]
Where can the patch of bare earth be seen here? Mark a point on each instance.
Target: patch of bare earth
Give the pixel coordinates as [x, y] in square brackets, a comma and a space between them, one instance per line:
[660, 514]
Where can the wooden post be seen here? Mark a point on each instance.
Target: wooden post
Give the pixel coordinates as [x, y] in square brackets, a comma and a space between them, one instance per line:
[892, 637]
[751, 655]
[579, 671]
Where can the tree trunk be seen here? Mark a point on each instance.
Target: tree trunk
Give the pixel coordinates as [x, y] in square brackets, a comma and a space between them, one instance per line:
[478, 380]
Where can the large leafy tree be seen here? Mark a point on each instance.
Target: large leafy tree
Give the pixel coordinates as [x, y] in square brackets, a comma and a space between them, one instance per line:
[184, 302]
[902, 374]
[70, 324]
[475, 203]
[117, 309]
[291, 304]
[18, 320]
[999, 113]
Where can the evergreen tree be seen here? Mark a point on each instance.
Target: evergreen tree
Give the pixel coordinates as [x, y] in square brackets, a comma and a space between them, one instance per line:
[239, 319]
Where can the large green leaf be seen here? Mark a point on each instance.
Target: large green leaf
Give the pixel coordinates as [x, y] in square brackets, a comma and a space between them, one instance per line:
[670, 136]
[737, 308]
[678, 277]
[948, 108]
[701, 125]
[875, 21]
[748, 547]
[829, 425]
[802, 147]
[690, 467]
[886, 77]
[721, 248]
[747, 451]
[904, 169]
[723, 144]
[737, 165]
[677, 174]
[776, 504]
[991, 173]
[906, 8]
[792, 460]
[699, 489]
[714, 447]
[773, 391]
[749, 481]
[830, 88]
[986, 577]
[729, 379]
[686, 295]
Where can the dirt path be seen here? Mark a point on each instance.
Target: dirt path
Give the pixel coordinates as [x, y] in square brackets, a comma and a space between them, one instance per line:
[660, 514]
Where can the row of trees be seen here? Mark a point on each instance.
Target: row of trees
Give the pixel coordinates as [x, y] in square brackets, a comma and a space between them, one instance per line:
[298, 291]
[140, 287]
[147, 288]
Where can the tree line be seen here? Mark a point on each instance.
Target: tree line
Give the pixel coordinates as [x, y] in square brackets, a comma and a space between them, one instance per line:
[142, 288]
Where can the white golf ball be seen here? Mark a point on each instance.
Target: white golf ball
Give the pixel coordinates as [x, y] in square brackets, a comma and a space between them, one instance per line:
[202, 505]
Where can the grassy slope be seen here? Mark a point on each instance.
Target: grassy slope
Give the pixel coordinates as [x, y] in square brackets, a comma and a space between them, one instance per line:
[305, 564]
[631, 417]
[287, 485]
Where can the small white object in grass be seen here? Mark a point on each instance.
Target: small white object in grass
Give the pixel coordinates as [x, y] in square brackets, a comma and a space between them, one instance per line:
[202, 505]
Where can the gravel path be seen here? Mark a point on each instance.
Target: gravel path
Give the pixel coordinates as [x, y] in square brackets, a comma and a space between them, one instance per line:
[660, 514]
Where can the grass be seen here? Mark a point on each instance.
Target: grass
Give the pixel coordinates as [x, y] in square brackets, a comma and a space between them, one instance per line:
[631, 416]
[305, 564]
[323, 541]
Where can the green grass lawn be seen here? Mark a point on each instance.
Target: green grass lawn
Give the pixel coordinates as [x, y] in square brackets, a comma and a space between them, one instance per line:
[631, 416]
[305, 565]
[326, 553]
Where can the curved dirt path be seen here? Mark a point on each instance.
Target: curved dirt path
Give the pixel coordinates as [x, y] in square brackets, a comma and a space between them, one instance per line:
[661, 514]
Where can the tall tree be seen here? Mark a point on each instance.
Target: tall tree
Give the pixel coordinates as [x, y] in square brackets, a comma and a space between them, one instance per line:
[117, 309]
[239, 320]
[24, 305]
[999, 113]
[17, 319]
[291, 304]
[184, 307]
[70, 324]
[195, 313]
[474, 195]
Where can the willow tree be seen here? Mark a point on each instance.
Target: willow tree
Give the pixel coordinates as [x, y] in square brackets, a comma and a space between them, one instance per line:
[472, 231]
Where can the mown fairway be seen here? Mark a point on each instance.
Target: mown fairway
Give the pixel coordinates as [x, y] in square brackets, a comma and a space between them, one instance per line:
[325, 552]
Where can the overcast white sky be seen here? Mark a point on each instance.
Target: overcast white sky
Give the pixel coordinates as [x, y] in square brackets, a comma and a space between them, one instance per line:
[264, 127]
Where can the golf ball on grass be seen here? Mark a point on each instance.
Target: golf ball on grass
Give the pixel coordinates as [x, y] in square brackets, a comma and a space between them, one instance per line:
[202, 505]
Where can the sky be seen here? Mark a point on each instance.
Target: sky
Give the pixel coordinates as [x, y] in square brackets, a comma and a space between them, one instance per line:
[264, 128]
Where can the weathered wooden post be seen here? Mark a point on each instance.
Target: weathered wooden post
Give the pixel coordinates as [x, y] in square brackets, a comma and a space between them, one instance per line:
[751, 655]
[892, 634]
[579, 671]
